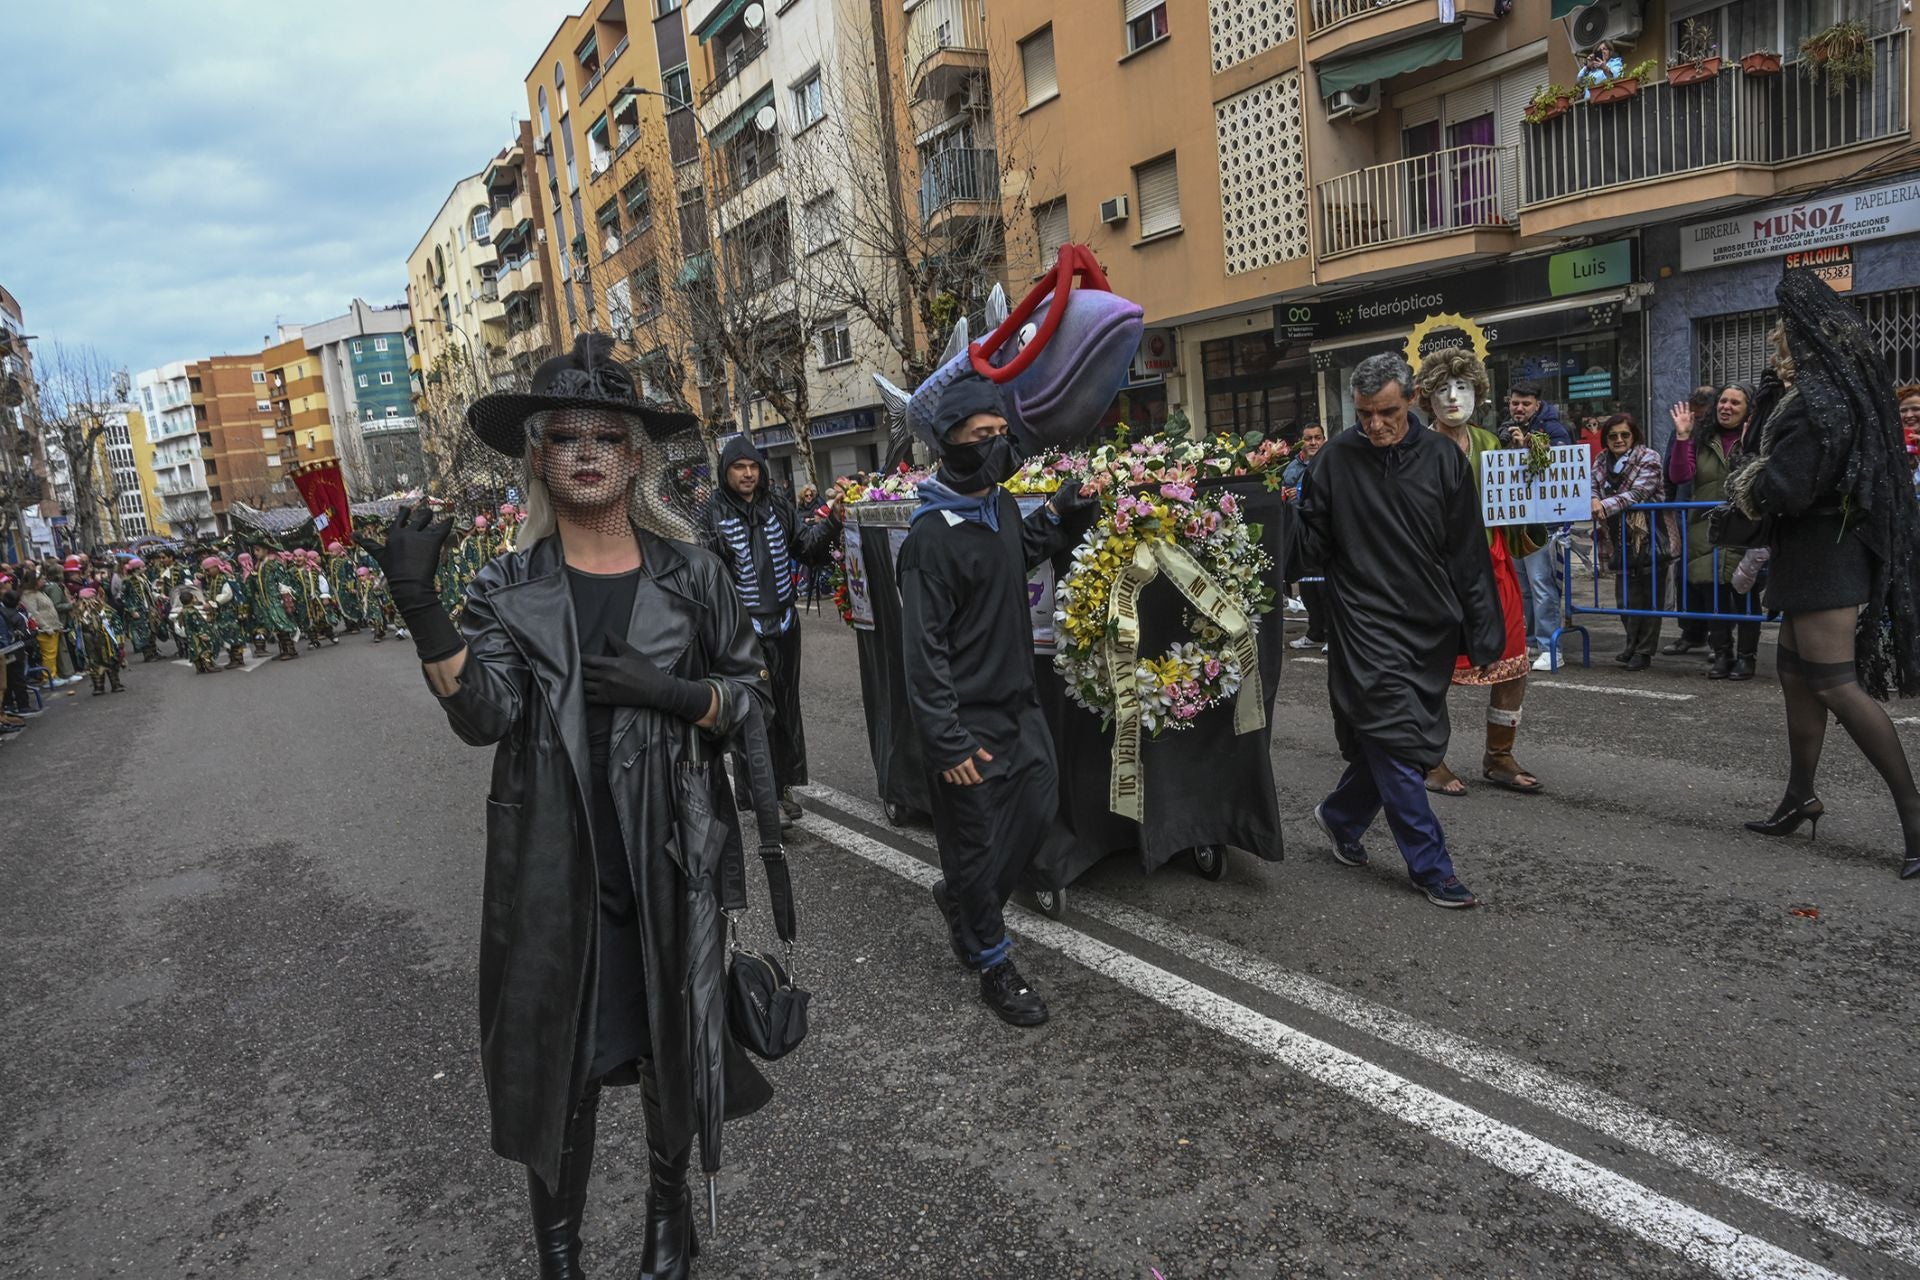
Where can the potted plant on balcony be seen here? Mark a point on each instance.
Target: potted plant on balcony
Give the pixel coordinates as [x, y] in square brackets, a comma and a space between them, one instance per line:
[1626, 86]
[1841, 55]
[1548, 102]
[1697, 58]
[1761, 62]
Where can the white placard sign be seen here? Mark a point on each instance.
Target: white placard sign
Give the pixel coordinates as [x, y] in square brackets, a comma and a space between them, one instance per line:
[853, 560]
[1564, 493]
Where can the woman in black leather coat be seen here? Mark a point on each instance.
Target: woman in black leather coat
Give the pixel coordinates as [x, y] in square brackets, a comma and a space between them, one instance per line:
[1829, 483]
[594, 657]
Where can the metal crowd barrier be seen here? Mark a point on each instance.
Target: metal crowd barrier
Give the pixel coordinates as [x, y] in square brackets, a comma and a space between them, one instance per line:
[1707, 594]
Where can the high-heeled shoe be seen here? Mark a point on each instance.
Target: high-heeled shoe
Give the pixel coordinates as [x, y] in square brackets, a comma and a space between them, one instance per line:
[1787, 818]
[1911, 867]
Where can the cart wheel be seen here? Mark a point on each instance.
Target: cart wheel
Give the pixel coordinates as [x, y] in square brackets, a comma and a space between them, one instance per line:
[897, 814]
[1210, 860]
[1052, 902]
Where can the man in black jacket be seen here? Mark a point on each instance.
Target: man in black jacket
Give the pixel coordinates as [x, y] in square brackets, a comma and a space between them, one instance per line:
[968, 650]
[758, 536]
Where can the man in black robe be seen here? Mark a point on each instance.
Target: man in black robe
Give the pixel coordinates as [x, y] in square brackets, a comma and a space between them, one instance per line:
[760, 538]
[1393, 520]
[969, 663]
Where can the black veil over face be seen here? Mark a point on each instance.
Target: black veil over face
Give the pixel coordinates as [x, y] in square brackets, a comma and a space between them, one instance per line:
[1848, 393]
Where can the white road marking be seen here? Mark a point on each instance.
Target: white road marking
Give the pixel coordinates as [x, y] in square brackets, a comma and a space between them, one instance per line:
[1315, 662]
[1698, 1237]
[1828, 1205]
[1611, 689]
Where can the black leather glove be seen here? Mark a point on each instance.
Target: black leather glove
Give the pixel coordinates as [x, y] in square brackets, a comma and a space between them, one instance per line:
[409, 557]
[630, 679]
[1067, 501]
[780, 894]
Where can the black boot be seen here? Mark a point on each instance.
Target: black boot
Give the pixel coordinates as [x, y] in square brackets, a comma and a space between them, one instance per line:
[670, 1244]
[1722, 664]
[1742, 668]
[557, 1215]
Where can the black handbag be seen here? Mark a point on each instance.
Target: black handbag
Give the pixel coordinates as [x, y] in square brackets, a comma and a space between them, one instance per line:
[1729, 526]
[766, 1012]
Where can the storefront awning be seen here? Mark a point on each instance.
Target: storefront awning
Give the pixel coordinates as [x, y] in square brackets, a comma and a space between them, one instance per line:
[721, 17]
[740, 119]
[1443, 45]
[1561, 8]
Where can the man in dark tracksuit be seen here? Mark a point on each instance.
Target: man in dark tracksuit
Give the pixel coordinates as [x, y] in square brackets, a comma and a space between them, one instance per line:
[759, 538]
[968, 643]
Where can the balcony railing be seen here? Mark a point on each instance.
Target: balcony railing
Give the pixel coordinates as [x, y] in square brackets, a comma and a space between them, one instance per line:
[732, 63]
[962, 174]
[1459, 189]
[1327, 12]
[1733, 119]
[944, 24]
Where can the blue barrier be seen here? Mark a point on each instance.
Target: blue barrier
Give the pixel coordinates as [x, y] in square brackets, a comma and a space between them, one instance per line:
[1657, 566]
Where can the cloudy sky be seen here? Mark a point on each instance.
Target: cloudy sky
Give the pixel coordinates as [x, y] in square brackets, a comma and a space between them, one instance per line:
[175, 177]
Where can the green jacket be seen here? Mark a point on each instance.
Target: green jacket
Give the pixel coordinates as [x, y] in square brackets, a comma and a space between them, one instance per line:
[1711, 466]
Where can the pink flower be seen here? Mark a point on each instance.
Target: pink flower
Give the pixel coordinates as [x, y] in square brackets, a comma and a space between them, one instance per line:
[1229, 503]
[1122, 519]
[1177, 492]
[1213, 668]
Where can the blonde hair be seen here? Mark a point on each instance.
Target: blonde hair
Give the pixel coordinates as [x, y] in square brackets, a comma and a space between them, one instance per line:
[539, 519]
[1782, 355]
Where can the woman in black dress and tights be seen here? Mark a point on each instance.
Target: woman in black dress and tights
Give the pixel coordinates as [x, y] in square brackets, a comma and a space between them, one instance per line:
[1830, 478]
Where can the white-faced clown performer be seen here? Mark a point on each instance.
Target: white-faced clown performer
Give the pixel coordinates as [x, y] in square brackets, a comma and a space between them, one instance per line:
[968, 642]
[596, 656]
[1452, 382]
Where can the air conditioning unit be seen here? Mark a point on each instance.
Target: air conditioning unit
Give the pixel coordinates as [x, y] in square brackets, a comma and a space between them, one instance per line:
[1357, 103]
[975, 98]
[1618, 22]
[623, 333]
[1114, 210]
[540, 235]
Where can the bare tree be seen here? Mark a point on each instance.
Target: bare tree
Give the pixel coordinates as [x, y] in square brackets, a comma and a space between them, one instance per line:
[460, 469]
[67, 405]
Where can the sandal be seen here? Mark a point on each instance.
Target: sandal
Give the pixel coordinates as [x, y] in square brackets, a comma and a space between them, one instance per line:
[1442, 781]
[1505, 771]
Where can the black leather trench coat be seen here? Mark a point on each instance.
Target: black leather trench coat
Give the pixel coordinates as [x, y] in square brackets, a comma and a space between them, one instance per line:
[520, 692]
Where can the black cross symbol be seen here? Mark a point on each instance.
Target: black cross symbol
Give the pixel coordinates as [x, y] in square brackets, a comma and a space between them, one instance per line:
[1559, 508]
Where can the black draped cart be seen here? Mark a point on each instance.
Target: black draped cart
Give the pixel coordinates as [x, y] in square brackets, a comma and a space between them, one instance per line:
[1206, 788]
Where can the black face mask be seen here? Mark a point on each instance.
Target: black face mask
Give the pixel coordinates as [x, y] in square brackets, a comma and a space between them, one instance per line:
[969, 468]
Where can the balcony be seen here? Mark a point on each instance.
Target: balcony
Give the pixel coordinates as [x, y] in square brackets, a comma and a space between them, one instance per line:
[946, 46]
[1336, 27]
[730, 61]
[518, 276]
[529, 341]
[1706, 145]
[961, 183]
[1424, 211]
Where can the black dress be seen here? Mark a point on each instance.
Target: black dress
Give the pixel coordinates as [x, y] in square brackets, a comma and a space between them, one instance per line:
[1818, 562]
[602, 605]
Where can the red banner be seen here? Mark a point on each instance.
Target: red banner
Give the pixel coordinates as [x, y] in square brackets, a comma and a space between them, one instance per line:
[325, 491]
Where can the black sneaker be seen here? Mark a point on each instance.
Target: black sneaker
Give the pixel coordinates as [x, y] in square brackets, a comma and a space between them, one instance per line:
[951, 915]
[1008, 995]
[1451, 893]
[1352, 855]
[790, 809]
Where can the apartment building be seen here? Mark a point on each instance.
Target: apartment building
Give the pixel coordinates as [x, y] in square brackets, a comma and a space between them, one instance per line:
[518, 225]
[165, 399]
[118, 465]
[364, 369]
[239, 437]
[453, 287]
[23, 467]
[297, 394]
[1357, 169]
[151, 509]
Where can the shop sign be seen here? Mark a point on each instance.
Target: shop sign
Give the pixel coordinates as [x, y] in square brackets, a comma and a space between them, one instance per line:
[1508, 496]
[1470, 293]
[1814, 223]
[840, 424]
[1158, 355]
[1833, 265]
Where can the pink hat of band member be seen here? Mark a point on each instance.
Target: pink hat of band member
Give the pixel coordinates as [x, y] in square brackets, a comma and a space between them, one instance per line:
[362, 572]
[135, 562]
[87, 593]
[72, 565]
[334, 547]
[480, 521]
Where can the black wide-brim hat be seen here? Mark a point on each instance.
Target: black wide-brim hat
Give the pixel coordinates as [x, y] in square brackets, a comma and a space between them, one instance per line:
[587, 377]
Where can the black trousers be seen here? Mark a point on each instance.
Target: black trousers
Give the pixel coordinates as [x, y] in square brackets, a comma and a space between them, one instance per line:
[1314, 596]
[1742, 638]
[988, 836]
[1638, 588]
[789, 731]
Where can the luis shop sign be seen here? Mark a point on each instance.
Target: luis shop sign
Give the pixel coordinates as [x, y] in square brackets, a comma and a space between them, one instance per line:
[1797, 228]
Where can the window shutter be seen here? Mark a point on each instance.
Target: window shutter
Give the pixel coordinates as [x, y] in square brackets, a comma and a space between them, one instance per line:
[1420, 113]
[1141, 8]
[1159, 188]
[1516, 91]
[1036, 54]
[1470, 103]
[1051, 220]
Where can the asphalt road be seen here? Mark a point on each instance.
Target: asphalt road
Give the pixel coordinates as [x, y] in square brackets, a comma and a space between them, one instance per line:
[237, 934]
